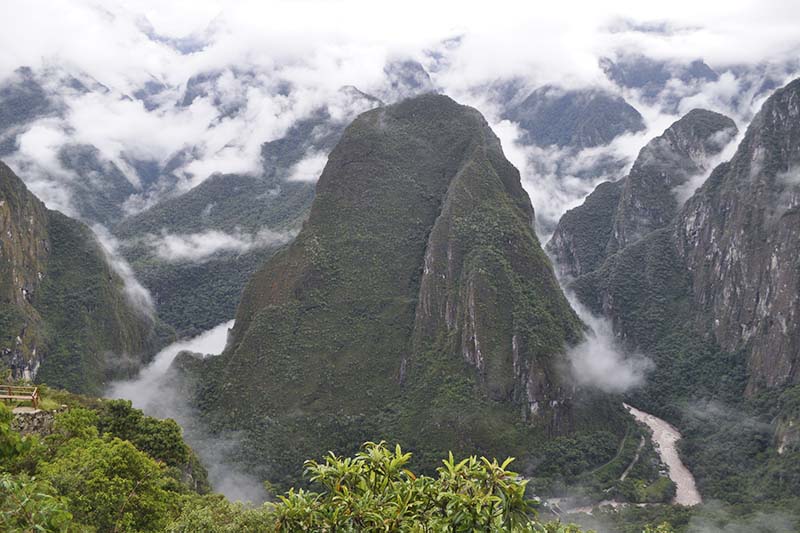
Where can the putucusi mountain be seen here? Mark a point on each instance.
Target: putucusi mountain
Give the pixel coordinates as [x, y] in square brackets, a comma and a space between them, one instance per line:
[712, 297]
[415, 305]
[65, 317]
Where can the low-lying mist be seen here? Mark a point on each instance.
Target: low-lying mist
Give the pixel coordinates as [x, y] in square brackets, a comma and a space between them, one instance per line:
[155, 393]
[600, 362]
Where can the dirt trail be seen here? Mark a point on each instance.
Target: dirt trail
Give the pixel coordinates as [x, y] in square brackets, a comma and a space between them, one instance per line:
[635, 460]
[665, 436]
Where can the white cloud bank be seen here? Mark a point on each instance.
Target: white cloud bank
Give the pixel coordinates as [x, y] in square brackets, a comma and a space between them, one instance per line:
[155, 392]
[272, 63]
[309, 168]
[600, 362]
[197, 247]
[136, 293]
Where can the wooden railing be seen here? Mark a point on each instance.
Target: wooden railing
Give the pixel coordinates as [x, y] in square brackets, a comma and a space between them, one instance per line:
[20, 392]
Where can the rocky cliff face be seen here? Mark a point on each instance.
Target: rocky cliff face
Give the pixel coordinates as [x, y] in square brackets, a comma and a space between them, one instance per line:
[620, 213]
[685, 150]
[64, 317]
[415, 305]
[740, 238]
[24, 244]
[712, 299]
[729, 257]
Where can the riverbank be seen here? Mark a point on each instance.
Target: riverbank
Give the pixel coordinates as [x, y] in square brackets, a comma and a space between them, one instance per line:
[665, 438]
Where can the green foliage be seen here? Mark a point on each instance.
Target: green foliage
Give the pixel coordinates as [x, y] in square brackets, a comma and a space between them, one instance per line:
[28, 504]
[88, 482]
[74, 424]
[111, 485]
[160, 439]
[83, 469]
[375, 491]
[12, 445]
[572, 456]
[215, 514]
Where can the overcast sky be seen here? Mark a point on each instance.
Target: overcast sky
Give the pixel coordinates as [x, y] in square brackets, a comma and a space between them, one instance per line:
[555, 39]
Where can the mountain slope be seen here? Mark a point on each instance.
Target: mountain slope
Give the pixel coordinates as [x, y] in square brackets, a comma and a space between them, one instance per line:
[415, 305]
[649, 198]
[195, 294]
[574, 118]
[651, 77]
[620, 213]
[712, 298]
[64, 317]
[740, 238]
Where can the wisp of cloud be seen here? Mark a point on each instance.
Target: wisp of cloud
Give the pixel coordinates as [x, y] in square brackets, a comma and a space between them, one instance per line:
[600, 362]
[154, 393]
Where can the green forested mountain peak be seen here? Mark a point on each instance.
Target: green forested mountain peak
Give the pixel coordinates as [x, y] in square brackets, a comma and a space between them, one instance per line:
[416, 305]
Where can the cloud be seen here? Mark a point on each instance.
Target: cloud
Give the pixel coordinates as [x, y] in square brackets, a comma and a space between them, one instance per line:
[558, 179]
[198, 247]
[156, 392]
[600, 362]
[729, 143]
[37, 162]
[309, 168]
[267, 65]
[135, 291]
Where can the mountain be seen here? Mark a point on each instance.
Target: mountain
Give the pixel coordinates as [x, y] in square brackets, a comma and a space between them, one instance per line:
[578, 119]
[65, 317]
[620, 213]
[580, 240]
[684, 151]
[652, 76]
[99, 188]
[404, 78]
[22, 99]
[713, 297]
[415, 305]
[266, 210]
[740, 237]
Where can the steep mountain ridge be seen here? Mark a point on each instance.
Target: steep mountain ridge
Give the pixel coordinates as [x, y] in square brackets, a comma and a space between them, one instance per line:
[619, 213]
[684, 150]
[65, 318]
[712, 298]
[415, 305]
[740, 238]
